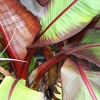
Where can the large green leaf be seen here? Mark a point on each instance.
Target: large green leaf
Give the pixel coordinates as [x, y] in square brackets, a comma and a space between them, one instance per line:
[61, 19]
[73, 85]
[19, 92]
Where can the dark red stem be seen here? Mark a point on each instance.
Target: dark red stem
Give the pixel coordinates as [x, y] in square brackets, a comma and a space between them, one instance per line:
[60, 45]
[85, 79]
[47, 65]
[17, 66]
[63, 54]
[47, 53]
[25, 66]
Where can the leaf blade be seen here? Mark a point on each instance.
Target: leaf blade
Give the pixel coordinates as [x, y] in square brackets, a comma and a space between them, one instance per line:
[75, 20]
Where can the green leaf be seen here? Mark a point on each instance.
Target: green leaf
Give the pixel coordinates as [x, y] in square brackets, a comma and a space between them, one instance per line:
[59, 96]
[59, 89]
[73, 85]
[61, 19]
[20, 92]
[32, 64]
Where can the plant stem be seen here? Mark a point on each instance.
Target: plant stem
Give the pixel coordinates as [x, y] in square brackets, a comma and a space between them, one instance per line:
[25, 66]
[17, 66]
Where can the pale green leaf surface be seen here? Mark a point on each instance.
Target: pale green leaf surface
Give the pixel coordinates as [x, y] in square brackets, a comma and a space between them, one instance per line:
[73, 86]
[32, 64]
[70, 23]
[59, 96]
[59, 89]
[21, 92]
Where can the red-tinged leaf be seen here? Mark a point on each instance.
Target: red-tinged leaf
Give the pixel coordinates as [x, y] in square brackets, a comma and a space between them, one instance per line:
[92, 54]
[85, 64]
[63, 19]
[43, 2]
[16, 19]
[80, 35]
[73, 85]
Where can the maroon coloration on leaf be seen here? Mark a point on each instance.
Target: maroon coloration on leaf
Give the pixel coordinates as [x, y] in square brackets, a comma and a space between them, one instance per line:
[16, 19]
[43, 2]
[80, 35]
[85, 64]
[88, 55]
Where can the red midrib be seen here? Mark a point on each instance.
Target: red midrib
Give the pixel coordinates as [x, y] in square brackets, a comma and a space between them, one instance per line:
[86, 81]
[12, 89]
[56, 19]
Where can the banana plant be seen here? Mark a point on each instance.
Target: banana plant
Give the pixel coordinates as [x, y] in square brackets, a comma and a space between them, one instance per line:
[72, 26]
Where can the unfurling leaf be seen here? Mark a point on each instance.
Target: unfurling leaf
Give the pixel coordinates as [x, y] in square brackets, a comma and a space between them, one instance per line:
[62, 19]
[73, 86]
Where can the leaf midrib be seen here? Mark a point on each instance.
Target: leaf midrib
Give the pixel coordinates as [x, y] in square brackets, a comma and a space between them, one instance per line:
[55, 19]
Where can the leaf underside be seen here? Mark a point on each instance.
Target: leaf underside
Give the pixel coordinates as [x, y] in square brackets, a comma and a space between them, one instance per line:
[65, 18]
[73, 85]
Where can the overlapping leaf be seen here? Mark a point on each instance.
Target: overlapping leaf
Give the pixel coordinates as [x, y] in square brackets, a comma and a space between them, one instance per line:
[20, 92]
[92, 54]
[73, 85]
[64, 18]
